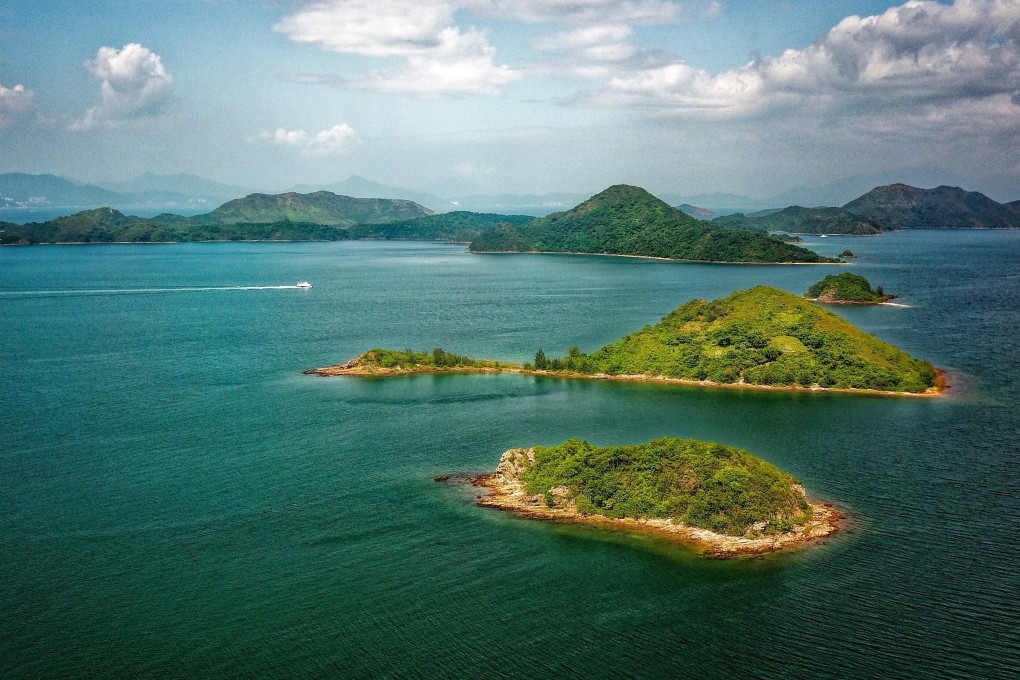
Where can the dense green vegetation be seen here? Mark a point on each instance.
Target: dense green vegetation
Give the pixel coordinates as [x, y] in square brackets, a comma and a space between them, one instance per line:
[460, 225]
[846, 287]
[761, 336]
[905, 207]
[410, 360]
[319, 207]
[798, 220]
[701, 484]
[105, 225]
[626, 220]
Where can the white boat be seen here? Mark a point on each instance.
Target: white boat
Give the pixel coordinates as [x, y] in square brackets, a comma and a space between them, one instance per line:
[302, 284]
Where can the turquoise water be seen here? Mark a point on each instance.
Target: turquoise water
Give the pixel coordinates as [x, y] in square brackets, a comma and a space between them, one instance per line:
[178, 499]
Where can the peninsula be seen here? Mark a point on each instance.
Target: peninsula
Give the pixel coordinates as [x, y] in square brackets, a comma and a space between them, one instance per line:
[761, 338]
[722, 500]
[627, 220]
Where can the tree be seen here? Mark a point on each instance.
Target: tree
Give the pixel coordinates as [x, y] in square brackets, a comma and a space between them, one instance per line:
[541, 363]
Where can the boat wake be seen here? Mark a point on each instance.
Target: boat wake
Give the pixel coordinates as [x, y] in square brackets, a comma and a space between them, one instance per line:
[136, 291]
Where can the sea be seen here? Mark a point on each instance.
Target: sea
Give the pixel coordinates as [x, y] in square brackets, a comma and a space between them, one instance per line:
[178, 500]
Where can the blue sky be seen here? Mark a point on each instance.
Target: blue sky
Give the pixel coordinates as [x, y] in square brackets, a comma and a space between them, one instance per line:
[525, 96]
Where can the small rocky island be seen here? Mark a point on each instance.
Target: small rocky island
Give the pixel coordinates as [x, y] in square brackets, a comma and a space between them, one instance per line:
[847, 289]
[722, 500]
[762, 338]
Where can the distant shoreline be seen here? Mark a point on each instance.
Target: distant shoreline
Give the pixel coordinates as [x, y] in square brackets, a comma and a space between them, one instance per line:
[643, 257]
[353, 369]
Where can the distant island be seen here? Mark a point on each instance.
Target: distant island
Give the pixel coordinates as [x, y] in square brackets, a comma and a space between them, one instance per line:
[762, 338]
[899, 206]
[798, 220]
[722, 499]
[627, 220]
[847, 289]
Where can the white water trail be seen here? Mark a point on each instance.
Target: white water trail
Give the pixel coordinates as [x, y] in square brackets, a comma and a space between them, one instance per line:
[136, 291]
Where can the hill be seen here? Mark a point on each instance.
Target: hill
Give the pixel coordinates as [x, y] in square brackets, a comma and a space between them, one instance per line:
[798, 220]
[758, 337]
[320, 207]
[847, 288]
[627, 220]
[23, 190]
[905, 207]
[460, 225]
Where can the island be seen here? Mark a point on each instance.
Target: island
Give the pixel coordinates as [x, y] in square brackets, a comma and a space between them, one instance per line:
[799, 220]
[720, 499]
[847, 289]
[760, 338]
[317, 216]
[627, 220]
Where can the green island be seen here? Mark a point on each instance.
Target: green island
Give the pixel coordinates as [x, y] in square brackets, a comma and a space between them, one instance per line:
[720, 498]
[799, 220]
[762, 338]
[318, 216]
[627, 220]
[847, 289]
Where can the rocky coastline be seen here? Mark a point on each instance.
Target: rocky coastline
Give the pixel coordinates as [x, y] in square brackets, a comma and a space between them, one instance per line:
[506, 492]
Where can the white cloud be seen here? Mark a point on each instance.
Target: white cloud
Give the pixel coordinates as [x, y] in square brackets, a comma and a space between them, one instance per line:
[376, 28]
[580, 11]
[16, 104]
[325, 142]
[599, 42]
[924, 60]
[460, 64]
[133, 85]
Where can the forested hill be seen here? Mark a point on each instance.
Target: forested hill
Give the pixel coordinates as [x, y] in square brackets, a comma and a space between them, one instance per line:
[905, 207]
[320, 207]
[798, 220]
[760, 336]
[627, 220]
[297, 218]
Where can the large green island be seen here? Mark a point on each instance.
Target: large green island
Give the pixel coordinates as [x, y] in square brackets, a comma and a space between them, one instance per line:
[721, 499]
[761, 338]
[627, 220]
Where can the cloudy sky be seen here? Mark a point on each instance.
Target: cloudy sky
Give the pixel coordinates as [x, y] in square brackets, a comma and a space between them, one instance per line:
[523, 96]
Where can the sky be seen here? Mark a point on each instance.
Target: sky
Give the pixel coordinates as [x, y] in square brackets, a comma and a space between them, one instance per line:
[452, 97]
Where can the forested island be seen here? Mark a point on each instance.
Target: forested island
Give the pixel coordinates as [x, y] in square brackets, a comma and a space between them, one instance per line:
[762, 338]
[847, 289]
[724, 500]
[798, 220]
[627, 220]
[318, 216]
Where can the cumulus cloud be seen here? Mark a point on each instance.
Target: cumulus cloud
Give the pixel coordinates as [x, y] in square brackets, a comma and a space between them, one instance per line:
[325, 142]
[134, 85]
[598, 42]
[440, 57]
[16, 104]
[923, 58]
[580, 11]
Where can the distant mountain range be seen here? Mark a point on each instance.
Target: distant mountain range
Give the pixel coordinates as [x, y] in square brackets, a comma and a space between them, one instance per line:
[898, 206]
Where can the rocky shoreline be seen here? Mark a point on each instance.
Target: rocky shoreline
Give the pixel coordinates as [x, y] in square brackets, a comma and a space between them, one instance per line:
[506, 492]
[357, 368]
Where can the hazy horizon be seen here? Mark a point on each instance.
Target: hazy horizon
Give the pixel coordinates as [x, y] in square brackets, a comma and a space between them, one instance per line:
[461, 97]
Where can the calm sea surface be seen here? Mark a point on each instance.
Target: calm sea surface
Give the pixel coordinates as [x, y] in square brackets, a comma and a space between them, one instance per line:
[178, 500]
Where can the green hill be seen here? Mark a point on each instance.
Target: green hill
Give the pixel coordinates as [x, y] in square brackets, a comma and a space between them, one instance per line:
[905, 207]
[320, 207]
[798, 220]
[701, 484]
[460, 225]
[762, 336]
[846, 287]
[626, 220]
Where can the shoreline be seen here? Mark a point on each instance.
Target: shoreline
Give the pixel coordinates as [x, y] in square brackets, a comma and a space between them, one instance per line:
[506, 493]
[354, 369]
[645, 257]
